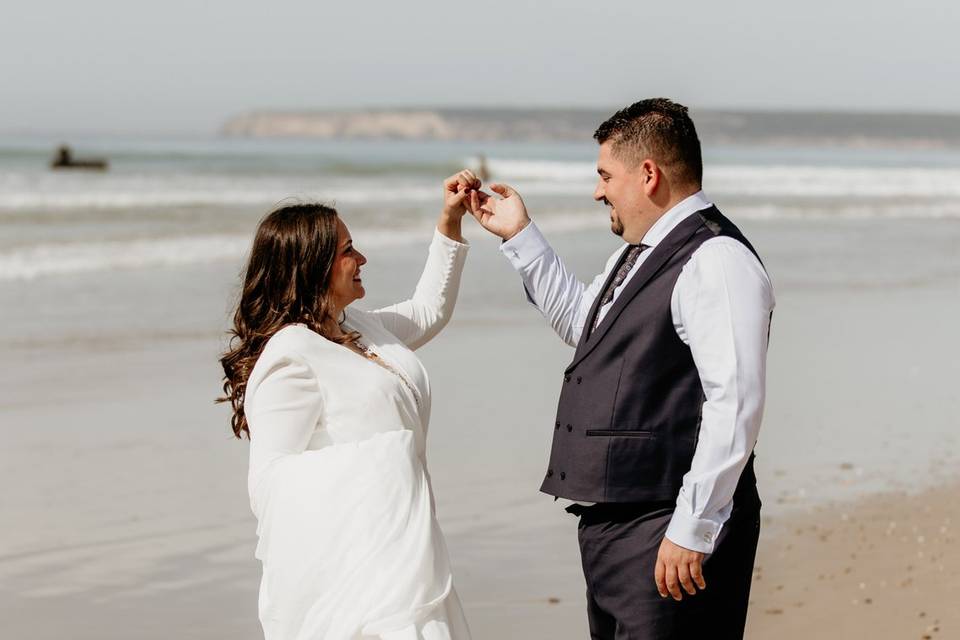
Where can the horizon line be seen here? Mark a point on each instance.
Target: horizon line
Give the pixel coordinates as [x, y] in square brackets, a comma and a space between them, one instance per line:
[215, 133]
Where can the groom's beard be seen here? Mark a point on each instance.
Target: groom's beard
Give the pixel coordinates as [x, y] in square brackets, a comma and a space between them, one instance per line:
[616, 226]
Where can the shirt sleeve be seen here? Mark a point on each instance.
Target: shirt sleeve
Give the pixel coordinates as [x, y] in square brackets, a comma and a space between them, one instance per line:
[721, 307]
[417, 320]
[283, 406]
[563, 299]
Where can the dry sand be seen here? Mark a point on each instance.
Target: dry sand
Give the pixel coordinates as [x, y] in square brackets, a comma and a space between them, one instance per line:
[884, 567]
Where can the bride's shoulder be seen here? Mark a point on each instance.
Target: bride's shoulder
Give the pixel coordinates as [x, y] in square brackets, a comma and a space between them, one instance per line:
[292, 347]
[295, 340]
[293, 334]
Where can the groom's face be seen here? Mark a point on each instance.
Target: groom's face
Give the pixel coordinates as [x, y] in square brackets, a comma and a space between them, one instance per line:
[621, 188]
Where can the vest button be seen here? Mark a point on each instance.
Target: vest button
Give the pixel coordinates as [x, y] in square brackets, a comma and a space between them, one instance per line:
[569, 427]
[566, 378]
[556, 426]
[549, 472]
[563, 475]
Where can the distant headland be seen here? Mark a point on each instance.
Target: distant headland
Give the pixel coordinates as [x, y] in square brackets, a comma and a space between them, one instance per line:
[531, 125]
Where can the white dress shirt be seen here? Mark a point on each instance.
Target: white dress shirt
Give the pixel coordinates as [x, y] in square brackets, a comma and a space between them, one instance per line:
[721, 307]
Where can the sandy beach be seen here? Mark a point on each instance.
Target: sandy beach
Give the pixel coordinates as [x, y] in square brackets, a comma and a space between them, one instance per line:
[127, 495]
[881, 567]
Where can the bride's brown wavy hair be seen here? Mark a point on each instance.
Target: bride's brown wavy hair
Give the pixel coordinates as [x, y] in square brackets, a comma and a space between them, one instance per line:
[286, 281]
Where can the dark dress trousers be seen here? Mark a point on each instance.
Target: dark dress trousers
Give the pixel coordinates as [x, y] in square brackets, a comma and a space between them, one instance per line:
[624, 436]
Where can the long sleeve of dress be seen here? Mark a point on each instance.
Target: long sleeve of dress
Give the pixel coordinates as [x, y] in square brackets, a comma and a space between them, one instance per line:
[417, 320]
[284, 403]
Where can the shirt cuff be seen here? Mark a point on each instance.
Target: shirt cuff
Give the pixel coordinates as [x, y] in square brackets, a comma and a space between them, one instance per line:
[696, 534]
[525, 247]
[449, 242]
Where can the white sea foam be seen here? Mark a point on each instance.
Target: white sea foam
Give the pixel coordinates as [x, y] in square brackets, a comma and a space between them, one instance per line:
[31, 191]
[23, 192]
[59, 259]
[542, 170]
[744, 191]
[27, 263]
[791, 181]
[836, 182]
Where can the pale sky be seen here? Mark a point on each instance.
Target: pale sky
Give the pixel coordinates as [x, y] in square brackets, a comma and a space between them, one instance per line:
[177, 66]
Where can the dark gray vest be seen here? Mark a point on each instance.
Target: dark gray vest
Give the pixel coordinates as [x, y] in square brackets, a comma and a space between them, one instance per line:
[630, 407]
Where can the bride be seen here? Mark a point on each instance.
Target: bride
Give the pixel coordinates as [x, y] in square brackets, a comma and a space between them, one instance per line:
[336, 405]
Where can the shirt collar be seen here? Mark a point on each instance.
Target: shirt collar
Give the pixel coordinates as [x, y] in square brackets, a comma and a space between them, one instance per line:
[674, 216]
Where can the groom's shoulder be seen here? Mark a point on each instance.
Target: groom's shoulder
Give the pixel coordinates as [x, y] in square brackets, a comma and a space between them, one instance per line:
[717, 227]
[716, 223]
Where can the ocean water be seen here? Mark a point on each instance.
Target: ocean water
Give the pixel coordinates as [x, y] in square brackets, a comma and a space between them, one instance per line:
[188, 201]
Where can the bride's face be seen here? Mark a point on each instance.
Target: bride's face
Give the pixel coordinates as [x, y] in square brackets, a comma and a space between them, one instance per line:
[345, 283]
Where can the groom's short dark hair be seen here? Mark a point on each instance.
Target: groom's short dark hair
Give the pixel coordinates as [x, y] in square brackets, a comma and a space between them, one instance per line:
[660, 129]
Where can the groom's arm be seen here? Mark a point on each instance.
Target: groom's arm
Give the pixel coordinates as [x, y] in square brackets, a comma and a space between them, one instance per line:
[559, 295]
[721, 308]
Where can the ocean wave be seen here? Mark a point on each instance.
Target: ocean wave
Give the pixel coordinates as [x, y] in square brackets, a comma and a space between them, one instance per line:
[25, 192]
[800, 181]
[541, 170]
[43, 260]
[835, 182]
[28, 263]
[598, 219]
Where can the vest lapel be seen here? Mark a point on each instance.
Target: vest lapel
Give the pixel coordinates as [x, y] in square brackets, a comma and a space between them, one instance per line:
[658, 257]
[595, 307]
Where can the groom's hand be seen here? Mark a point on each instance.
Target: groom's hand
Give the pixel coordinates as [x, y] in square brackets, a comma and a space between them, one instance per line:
[678, 568]
[505, 216]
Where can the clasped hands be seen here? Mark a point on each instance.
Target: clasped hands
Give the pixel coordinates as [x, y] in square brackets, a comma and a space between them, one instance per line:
[504, 214]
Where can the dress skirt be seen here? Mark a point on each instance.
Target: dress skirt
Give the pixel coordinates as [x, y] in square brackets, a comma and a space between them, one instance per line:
[351, 548]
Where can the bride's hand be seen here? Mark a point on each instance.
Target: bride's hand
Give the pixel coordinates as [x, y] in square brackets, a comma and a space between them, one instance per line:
[456, 189]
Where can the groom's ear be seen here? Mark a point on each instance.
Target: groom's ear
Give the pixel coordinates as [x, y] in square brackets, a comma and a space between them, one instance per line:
[649, 176]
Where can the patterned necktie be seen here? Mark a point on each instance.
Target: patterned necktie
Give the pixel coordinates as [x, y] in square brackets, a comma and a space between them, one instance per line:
[632, 254]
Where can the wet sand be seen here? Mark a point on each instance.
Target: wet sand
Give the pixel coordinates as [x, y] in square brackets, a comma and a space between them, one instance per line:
[125, 509]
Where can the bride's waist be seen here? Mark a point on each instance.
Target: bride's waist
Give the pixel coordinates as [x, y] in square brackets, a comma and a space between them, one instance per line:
[332, 435]
[396, 453]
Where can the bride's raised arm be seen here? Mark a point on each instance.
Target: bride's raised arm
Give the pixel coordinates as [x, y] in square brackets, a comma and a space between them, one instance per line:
[417, 320]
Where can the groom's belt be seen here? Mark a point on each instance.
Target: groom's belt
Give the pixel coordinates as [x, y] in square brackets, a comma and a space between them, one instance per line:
[617, 511]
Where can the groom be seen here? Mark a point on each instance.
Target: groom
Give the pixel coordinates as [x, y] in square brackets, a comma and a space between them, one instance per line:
[660, 408]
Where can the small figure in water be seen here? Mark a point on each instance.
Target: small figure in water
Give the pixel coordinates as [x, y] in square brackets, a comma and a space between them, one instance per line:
[65, 160]
[482, 172]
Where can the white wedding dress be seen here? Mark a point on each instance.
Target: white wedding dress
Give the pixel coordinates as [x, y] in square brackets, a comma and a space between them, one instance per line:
[338, 481]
